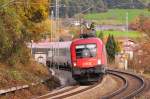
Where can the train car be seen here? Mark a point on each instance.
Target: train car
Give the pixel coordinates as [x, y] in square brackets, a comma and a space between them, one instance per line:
[58, 55]
[88, 58]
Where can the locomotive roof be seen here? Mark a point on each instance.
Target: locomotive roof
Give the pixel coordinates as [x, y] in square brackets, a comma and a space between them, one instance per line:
[91, 39]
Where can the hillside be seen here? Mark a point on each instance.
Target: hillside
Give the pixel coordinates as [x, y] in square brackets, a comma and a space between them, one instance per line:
[124, 3]
[117, 16]
[19, 24]
[72, 7]
[69, 8]
[145, 1]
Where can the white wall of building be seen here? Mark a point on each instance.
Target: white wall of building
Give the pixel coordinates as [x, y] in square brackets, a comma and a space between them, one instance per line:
[40, 58]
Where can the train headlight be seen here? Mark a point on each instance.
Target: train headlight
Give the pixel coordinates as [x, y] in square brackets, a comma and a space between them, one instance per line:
[74, 64]
[99, 62]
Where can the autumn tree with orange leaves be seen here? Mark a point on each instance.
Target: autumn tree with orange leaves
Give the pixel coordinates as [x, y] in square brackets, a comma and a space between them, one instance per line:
[142, 24]
[20, 21]
[141, 58]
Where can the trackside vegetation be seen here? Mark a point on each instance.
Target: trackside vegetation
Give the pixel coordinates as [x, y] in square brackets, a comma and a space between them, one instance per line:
[111, 48]
[132, 34]
[20, 23]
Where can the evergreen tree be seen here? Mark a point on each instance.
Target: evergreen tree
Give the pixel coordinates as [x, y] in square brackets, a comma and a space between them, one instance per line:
[111, 48]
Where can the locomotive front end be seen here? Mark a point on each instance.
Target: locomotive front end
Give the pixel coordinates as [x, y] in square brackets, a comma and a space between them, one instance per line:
[88, 59]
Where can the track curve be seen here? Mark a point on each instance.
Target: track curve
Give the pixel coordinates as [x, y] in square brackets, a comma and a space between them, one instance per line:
[79, 91]
[133, 84]
[66, 92]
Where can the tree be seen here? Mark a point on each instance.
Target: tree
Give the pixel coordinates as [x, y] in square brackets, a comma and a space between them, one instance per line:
[10, 35]
[148, 6]
[111, 48]
[72, 7]
[142, 24]
[141, 58]
[17, 28]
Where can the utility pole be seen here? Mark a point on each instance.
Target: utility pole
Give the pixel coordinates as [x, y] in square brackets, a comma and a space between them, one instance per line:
[132, 4]
[52, 31]
[57, 15]
[127, 22]
[127, 29]
[52, 17]
[57, 26]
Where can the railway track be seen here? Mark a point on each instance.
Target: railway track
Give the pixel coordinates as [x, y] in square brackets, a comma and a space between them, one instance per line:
[67, 92]
[79, 91]
[133, 85]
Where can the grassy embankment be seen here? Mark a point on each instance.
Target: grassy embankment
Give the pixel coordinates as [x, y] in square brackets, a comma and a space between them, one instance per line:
[130, 34]
[116, 16]
[18, 75]
[145, 1]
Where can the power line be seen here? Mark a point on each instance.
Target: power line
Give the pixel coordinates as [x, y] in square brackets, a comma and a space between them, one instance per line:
[127, 23]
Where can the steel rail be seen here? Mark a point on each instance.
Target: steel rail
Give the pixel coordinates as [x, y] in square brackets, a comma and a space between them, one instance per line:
[59, 96]
[49, 95]
[56, 95]
[124, 87]
[134, 93]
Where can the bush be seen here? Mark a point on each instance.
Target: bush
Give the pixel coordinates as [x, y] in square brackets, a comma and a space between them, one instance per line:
[142, 24]
[141, 58]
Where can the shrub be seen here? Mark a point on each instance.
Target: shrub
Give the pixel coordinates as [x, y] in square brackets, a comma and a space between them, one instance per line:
[142, 24]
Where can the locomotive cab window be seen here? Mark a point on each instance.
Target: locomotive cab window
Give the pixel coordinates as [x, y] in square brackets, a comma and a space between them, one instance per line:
[86, 50]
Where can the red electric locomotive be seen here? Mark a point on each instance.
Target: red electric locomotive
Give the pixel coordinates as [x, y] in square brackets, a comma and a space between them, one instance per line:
[88, 58]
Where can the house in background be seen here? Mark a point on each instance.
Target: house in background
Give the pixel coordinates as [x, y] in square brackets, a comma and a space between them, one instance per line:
[127, 51]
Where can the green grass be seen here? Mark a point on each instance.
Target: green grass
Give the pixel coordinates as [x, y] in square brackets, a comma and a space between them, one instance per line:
[145, 1]
[131, 34]
[117, 16]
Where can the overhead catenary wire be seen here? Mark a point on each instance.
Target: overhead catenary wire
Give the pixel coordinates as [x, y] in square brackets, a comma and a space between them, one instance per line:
[57, 26]
[55, 29]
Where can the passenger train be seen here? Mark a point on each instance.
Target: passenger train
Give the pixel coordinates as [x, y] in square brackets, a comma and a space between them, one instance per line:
[85, 56]
[88, 58]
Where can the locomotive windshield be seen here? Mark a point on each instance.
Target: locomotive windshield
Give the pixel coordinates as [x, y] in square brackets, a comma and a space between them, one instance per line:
[86, 50]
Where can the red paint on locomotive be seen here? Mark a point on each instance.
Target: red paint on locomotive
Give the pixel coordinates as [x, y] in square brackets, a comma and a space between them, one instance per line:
[88, 58]
[86, 62]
